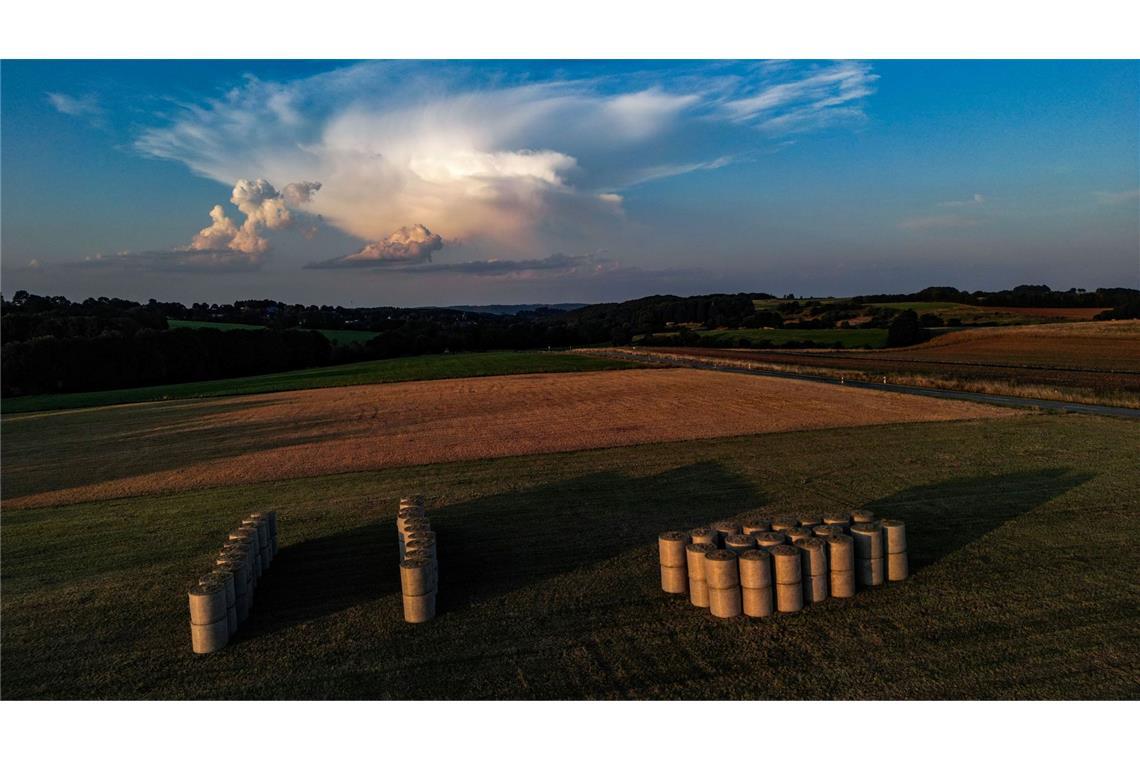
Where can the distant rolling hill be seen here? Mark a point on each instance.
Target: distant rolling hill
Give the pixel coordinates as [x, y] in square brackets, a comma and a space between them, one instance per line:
[498, 308]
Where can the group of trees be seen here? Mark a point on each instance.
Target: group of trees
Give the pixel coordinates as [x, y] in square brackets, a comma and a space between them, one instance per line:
[51, 344]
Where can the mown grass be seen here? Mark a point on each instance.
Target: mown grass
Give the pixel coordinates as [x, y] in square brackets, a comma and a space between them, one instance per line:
[1023, 540]
[197, 324]
[434, 367]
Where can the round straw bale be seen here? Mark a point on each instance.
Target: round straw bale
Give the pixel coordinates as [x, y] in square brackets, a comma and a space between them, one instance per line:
[755, 568]
[862, 516]
[868, 540]
[247, 534]
[841, 553]
[870, 572]
[783, 522]
[414, 500]
[725, 528]
[427, 536]
[789, 597]
[894, 536]
[416, 577]
[813, 552]
[695, 559]
[410, 513]
[424, 546]
[238, 569]
[671, 547]
[767, 540]
[836, 519]
[898, 568]
[842, 583]
[207, 602]
[756, 525]
[739, 542]
[419, 609]
[823, 531]
[674, 580]
[209, 637]
[415, 525]
[226, 578]
[757, 602]
[704, 536]
[795, 534]
[721, 569]
[725, 602]
[815, 588]
[809, 522]
[271, 515]
[787, 563]
[698, 593]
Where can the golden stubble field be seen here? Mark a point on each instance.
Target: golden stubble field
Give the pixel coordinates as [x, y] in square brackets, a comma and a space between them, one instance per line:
[65, 457]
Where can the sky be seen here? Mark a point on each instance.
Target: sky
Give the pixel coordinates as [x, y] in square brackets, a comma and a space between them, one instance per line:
[445, 182]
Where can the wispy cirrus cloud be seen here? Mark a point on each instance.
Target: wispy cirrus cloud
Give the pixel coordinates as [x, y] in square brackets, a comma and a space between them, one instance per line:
[795, 101]
[491, 158]
[81, 106]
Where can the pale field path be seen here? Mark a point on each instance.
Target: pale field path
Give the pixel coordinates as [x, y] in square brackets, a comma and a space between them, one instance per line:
[111, 452]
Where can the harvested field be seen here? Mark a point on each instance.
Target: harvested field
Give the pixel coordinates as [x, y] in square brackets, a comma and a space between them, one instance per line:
[1081, 346]
[62, 457]
[1102, 358]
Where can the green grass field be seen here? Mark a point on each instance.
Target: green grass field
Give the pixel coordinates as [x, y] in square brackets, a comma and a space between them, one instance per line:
[194, 324]
[336, 336]
[433, 367]
[1023, 538]
[853, 338]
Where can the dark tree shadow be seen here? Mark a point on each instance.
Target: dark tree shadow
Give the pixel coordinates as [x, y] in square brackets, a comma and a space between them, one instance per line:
[493, 545]
[946, 516]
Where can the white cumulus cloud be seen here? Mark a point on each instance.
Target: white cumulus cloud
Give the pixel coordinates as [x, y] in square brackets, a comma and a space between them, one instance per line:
[407, 245]
[486, 157]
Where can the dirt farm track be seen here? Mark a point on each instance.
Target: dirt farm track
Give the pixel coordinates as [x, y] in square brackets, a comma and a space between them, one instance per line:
[111, 452]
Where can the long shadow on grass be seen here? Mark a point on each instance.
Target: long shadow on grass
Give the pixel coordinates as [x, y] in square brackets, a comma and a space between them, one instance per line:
[946, 516]
[492, 545]
[325, 575]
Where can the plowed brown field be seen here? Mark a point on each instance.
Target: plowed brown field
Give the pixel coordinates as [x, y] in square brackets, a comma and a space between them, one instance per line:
[64, 457]
[1097, 356]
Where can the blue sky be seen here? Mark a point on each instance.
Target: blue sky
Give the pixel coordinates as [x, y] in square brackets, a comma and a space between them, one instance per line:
[446, 182]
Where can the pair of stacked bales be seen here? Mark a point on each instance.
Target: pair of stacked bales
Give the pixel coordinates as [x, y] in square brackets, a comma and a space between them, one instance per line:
[220, 601]
[779, 563]
[419, 567]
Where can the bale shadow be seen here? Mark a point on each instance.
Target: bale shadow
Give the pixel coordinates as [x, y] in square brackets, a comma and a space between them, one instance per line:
[322, 576]
[491, 546]
[949, 515]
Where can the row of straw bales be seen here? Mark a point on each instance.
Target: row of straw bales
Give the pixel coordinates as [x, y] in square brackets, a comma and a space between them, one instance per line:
[419, 567]
[220, 600]
[780, 564]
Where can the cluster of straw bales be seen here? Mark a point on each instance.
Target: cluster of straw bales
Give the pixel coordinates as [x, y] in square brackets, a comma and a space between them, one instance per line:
[419, 570]
[768, 564]
[221, 599]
